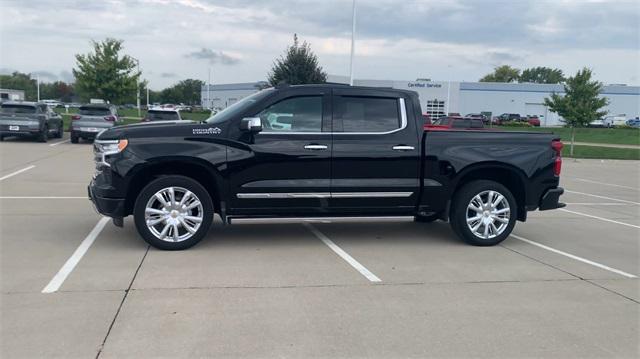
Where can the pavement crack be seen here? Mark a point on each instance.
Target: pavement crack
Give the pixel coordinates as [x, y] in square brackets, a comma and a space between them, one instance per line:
[124, 297]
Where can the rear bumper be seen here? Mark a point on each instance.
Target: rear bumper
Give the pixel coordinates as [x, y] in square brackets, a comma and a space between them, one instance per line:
[551, 199]
[84, 134]
[110, 207]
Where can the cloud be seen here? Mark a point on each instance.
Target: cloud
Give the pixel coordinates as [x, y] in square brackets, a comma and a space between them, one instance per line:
[214, 57]
[168, 75]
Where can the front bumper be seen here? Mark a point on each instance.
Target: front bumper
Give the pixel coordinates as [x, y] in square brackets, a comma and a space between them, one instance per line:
[551, 199]
[110, 207]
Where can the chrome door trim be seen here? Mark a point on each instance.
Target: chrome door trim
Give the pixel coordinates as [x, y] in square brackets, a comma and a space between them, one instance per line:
[283, 195]
[370, 194]
[324, 195]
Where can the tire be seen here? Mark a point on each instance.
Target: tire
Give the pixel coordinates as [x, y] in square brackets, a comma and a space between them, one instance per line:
[60, 131]
[426, 219]
[506, 211]
[74, 138]
[43, 136]
[168, 218]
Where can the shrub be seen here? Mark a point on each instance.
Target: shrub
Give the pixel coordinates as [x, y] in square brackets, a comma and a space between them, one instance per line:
[516, 124]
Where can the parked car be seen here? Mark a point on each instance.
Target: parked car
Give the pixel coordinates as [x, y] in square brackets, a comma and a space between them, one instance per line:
[609, 121]
[478, 116]
[533, 120]
[635, 122]
[29, 119]
[507, 117]
[91, 119]
[162, 114]
[456, 122]
[369, 155]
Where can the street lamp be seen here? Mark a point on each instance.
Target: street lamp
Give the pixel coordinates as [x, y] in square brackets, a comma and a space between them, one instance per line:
[138, 87]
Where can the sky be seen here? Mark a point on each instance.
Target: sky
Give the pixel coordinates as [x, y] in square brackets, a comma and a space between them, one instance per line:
[395, 40]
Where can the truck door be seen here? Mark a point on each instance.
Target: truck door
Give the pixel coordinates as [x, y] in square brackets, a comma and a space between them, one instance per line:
[376, 153]
[286, 168]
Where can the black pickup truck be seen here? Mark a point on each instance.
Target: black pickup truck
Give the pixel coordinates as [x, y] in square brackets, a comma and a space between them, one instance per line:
[317, 151]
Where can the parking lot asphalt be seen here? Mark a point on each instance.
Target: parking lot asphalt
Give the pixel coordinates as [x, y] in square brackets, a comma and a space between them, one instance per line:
[563, 285]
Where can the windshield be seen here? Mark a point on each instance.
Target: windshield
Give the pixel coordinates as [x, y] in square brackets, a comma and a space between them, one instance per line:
[239, 106]
[18, 109]
[95, 111]
[162, 116]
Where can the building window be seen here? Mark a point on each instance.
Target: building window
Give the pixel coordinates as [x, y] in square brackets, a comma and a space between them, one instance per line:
[435, 109]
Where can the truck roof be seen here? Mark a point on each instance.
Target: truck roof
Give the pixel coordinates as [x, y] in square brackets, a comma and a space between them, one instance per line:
[345, 86]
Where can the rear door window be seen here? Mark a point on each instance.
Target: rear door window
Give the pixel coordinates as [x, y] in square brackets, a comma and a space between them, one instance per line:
[95, 111]
[9, 108]
[162, 116]
[366, 114]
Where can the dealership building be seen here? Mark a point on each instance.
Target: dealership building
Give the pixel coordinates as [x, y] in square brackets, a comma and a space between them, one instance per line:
[441, 97]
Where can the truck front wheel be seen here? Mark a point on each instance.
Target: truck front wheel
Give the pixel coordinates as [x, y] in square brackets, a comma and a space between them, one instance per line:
[173, 212]
[483, 213]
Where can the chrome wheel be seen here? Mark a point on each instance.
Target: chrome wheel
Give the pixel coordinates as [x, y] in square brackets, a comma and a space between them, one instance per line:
[488, 214]
[173, 214]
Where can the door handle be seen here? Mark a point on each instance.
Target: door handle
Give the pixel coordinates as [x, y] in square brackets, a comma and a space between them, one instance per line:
[403, 148]
[315, 147]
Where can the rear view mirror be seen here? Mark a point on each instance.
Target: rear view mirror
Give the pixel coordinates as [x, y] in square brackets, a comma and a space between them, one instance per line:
[251, 124]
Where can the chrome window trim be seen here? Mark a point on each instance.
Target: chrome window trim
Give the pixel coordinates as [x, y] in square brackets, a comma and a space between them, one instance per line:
[324, 195]
[403, 125]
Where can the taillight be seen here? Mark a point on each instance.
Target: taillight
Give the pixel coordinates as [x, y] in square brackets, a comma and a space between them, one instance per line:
[110, 118]
[557, 165]
[75, 117]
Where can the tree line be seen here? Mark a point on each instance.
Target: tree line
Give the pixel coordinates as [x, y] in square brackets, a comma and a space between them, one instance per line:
[538, 75]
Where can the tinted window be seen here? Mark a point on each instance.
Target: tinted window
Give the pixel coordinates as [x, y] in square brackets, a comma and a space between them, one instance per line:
[95, 111]
[476, 124]
[461, 124]
[367, 114]
[162, 116]
[18, 109]
[295, 114]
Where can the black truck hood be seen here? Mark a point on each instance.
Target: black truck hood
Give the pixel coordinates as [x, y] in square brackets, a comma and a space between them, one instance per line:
[159, 129]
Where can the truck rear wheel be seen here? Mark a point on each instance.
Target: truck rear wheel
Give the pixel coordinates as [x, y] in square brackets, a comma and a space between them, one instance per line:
[173, 212]
[483, 213]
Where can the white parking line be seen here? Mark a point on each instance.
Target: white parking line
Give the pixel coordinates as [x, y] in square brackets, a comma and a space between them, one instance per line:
[596, 204]
[43, 197]
[600, 218]
[604, 183]
[603, 197]
[583, 260]
[57, 143]
[75, 258]
[344, 255]
[16, 172]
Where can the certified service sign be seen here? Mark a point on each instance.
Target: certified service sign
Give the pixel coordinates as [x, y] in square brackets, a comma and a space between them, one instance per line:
[424, 84]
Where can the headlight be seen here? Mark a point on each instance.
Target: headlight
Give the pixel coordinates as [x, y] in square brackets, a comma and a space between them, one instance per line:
[110, 147]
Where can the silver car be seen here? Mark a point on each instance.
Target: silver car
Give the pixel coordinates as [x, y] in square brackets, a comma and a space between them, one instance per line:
[91, 120]
[29, 119]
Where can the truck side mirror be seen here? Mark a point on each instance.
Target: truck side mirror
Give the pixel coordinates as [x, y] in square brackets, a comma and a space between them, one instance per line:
[251, 124]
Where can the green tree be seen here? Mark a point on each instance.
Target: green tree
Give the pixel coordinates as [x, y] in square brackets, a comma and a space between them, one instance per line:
[20, 81]
[504, 73]
[106, 74]
[581, 102]
[299, 65]
[542, 75]
[186, 91]
[58, 90]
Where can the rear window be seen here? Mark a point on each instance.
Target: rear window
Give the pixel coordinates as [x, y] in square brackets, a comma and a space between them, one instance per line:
[367, 114]
[95, 111]
[7, 108]
[162, 116]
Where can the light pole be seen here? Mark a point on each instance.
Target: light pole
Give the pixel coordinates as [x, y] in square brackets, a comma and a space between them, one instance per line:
[353, 41]
[138, 88]
[38, 86]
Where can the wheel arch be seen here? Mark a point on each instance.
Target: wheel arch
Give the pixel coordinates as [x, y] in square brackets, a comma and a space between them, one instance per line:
[509, 176]
[196, 169]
